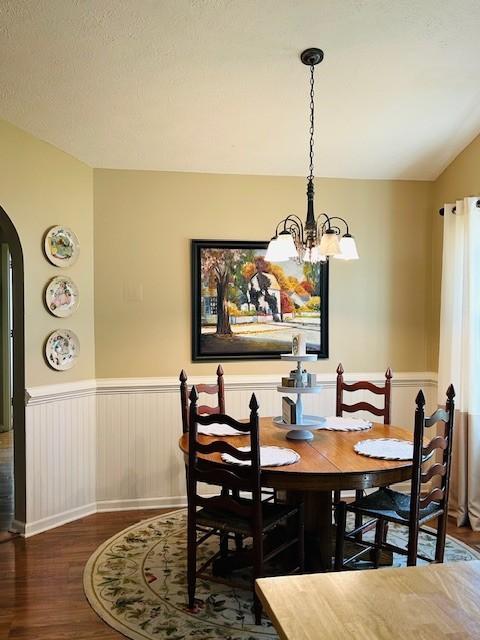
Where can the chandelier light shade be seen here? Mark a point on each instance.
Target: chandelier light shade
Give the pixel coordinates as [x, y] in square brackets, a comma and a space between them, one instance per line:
[329, 244]
[320, 238]
[281, 248]
[348, 248]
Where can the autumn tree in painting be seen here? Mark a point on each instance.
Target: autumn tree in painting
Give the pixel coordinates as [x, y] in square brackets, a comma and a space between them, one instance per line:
[311, 271]
[307, 286]
[218, 268]
[287, 304]
[241, 278]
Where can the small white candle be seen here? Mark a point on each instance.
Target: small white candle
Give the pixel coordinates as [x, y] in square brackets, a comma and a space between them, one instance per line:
[302, 344]
[299, 345]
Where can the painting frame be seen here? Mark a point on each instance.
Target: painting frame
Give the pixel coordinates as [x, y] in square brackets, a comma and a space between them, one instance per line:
[200, 354]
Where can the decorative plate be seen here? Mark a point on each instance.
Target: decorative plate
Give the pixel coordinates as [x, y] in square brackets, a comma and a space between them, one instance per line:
[385, 449]
[61, 296]
[269, 457]
[61, 246]
[62, 349]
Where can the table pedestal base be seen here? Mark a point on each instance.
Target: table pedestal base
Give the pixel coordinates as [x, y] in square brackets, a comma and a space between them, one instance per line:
[318, 528]
[320, 533]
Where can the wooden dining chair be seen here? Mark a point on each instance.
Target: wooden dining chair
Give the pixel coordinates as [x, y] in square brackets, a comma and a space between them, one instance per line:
[204, 409]
[210, 389]
[364, 385]
[227, 515]
[411, 510]
[342, 407]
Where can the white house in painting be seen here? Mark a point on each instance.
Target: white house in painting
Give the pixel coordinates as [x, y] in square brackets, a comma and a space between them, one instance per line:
[264, 294]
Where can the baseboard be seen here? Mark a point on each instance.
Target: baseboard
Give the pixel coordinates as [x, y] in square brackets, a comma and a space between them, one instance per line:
[39, 526]
[135, 504]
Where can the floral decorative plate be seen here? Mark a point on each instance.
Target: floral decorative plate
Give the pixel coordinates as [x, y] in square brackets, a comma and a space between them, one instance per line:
[61, 246]
[62, 349]
[61, 296]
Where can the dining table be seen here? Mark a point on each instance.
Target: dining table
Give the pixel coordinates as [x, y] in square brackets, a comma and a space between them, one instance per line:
[426, 602]
[327, 463]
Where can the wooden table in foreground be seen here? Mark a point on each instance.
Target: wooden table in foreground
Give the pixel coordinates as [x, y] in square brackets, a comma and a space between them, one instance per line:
[426, 603]
[328, 462]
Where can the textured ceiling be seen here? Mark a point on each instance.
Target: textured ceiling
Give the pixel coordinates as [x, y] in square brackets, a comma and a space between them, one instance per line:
[216, 85]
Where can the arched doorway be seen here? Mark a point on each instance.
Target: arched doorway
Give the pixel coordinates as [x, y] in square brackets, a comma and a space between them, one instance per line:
[10, 238]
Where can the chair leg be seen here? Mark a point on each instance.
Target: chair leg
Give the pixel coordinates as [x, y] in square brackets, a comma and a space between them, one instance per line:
[238, 542]
[441, 533]
[380, 537]
[257, 573]
[191, 561]
[337, 496]
[301, 538]
[385, 532]
[224, 545]
[412, 545]
[341, 513]
[257, 608]
[358, 516]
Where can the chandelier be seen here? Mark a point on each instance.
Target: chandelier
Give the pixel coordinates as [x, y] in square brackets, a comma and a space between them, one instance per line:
[317, 239]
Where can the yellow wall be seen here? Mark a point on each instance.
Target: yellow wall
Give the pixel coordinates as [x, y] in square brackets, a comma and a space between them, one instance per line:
[143, 225]
[41, 186]
[383, 309]
[460, 179]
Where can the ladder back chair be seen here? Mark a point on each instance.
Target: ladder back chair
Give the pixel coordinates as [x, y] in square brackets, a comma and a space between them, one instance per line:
[364, 385]
[414, 510]
[210, 389]
[228, 515]
[342, 407]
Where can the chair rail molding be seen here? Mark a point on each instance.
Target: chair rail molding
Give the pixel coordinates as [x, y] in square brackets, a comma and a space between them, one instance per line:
[53, 392]
[111, 444]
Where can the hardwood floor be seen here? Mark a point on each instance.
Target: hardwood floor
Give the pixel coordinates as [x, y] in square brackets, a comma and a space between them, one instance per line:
[6, 480]
[41, 592]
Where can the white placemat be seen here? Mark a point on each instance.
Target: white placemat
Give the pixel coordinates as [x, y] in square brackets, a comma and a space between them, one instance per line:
[385, 449]
[332, 423]
[217, 429]
[269, 457]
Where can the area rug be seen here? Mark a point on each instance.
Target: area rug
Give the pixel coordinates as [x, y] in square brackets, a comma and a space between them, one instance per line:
[136, 582]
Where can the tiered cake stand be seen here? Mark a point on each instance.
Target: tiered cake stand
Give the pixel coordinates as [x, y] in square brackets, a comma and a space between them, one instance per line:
[305, 424]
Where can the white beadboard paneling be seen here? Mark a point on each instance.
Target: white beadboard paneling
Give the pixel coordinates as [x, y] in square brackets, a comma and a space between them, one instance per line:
[137, 446]
[113, 444]
[139, 424]
[60, 452]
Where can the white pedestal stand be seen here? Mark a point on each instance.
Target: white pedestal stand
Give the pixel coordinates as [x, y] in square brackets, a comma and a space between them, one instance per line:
[302, 429]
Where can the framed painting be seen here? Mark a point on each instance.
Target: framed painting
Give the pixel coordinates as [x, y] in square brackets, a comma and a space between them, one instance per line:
[245, 308]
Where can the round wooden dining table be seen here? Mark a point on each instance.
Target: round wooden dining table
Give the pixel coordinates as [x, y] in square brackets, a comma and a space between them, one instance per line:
[327, 463]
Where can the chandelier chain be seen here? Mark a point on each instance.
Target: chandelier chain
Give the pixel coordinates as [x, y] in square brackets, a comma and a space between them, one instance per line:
[312, 119]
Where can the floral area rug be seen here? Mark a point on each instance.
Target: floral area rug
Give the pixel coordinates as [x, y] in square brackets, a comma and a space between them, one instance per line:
[136, 582]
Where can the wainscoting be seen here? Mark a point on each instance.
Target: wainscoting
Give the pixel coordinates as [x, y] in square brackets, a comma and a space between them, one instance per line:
[60, 432]
[106, 445]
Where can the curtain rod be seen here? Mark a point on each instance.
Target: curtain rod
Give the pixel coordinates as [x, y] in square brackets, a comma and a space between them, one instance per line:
[454, 210]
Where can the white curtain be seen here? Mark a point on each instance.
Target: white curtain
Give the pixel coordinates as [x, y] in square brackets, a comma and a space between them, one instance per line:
[459, 360]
